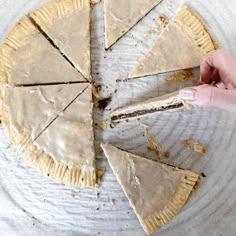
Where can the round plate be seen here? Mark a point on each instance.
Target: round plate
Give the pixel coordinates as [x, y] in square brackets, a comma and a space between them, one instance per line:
[33, 205]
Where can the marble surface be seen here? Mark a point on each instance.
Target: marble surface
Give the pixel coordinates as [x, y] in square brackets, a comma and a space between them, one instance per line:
[33, 205]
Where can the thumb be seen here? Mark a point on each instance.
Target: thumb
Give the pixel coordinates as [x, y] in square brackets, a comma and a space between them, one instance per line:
[209, 96]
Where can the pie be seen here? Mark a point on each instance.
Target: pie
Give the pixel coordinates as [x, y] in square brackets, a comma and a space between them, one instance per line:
[186, 39]
[26, 55]
[156, 191]
[46, 104]
[120, 16]
[67, 24]
[166, 103]
[30, 115]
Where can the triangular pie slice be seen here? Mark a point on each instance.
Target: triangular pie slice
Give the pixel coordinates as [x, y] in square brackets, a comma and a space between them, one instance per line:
[156, 191]
[28, 58]
[28, 111]
[69, 141]
[120, 16]
[183, 44]
[67, 23]
[166, 103]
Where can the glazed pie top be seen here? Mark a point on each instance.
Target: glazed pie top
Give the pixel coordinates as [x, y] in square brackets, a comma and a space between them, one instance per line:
[183, 44]
[28, 58]
[156, 191]
[67, 23]
[120, 16]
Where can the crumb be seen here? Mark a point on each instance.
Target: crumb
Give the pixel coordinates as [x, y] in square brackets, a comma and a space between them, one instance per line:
[98, 208]
[180, 76]
[166, 154]
[203, 175]
[112, 126]
[152, 145]
[102, 125]
[103, 103]
[199, 148]
[127, 120]
[162, 21]
[149, 33]
[189, 143]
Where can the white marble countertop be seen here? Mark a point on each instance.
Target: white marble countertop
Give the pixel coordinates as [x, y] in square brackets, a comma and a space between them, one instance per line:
[33, 205]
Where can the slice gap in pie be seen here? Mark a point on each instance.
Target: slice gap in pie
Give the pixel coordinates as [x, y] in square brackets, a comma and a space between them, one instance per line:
[166, 103]
[28, 58]
[120, 16]
[182, 45]
[69, 141]
[27, 112]
[67, 24]
[156, 191]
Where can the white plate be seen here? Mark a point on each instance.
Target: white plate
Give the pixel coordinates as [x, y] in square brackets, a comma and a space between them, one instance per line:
[33, 205]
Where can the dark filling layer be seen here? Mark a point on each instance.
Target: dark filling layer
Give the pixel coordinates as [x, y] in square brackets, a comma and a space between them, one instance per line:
[146, 111]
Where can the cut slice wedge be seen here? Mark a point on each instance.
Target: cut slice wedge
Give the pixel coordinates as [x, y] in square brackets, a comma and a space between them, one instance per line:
[67, 24]
[156, 191]
[28, 111]
[183, 44]
[167, 103]
[28, 58]
[120, 16]
[69, 141]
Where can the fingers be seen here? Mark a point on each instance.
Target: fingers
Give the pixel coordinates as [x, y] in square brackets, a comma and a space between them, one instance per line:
[218, 65]
[209, 96]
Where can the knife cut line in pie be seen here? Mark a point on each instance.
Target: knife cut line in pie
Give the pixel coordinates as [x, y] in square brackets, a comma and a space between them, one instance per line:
[27, 57]
[121, 16]
[67, 24]
[186, 39]
[166, 103]
[26, 122]
[156, 195]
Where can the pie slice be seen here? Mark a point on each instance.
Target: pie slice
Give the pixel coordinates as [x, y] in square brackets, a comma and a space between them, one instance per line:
[28, 111]
[67, 24]
[166, 103]
[183, 44]
[27, 58]
[156, 191]
[120, 16]
[69, 141]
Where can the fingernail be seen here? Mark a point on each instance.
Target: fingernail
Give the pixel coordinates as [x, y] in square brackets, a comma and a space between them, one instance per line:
[188, 94]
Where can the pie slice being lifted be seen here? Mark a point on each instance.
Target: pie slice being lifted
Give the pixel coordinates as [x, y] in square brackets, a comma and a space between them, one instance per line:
[156, 191]
[183, 44]
[120, 16]
[166, 103]
[28, 58]
[28, 111]
[67, 24]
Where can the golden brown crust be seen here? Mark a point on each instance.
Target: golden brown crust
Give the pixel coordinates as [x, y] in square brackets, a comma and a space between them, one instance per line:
[45, 15]
[19, 36]
[183, 192]
[196, 30]
[81, 176]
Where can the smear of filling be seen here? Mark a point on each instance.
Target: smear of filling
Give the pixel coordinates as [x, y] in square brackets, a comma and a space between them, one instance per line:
[146, 111]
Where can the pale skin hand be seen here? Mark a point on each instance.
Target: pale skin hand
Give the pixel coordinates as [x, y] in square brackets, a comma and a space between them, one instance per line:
[217, 86]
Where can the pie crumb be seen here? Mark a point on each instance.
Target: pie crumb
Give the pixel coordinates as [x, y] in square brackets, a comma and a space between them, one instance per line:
[148, 33]
[152, 145]
[199, 148]
[162, 21]
[166, 154]
[102, 125]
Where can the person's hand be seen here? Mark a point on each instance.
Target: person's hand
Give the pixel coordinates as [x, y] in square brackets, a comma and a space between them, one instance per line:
[217, 86]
